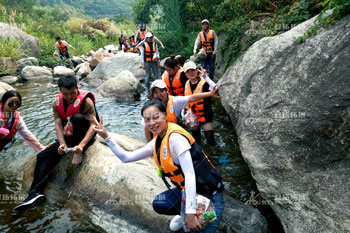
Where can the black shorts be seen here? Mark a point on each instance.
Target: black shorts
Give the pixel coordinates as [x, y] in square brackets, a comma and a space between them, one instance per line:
[65, 54]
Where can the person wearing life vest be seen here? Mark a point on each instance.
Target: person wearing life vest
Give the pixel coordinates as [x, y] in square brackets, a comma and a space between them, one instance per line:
[202, 108]
[73, 112]
[154, 39]
[141, 33]
[149, 58]
[174, 77]
[62, 51]
[179, 158]
[11, 122]
[208, 40]
[174, 104]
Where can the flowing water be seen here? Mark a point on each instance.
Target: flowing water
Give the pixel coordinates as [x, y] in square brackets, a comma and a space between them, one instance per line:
[118, 116]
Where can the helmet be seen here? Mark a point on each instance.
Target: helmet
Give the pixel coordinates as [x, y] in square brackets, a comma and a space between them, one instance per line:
[142, 24]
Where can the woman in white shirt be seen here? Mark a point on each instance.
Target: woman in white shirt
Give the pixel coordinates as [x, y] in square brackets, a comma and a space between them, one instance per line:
[179, 158]
[11, 122]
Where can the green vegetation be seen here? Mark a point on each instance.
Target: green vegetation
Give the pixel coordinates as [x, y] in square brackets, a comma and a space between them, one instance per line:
[11, 48]
[48, 19]
[242, 21]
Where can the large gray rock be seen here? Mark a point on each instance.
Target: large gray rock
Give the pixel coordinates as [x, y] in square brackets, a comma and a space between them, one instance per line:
[9, 79]
[124, 86]
[29, 42]
[35, 72]
[8, 66]
[124, 190]
[60, 71]
[4, 87]
[242, 218]
[221, 58]
[28, 61]
[112, 66]
[122, 194]
[290, 106]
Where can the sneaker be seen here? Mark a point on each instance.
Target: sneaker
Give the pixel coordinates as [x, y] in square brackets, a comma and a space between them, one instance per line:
[32, 200]
[176, 223]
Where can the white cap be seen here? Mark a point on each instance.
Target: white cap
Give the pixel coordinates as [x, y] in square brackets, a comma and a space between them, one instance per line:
[158, 83]
[205, 21]
[189, 65]
[149, 34]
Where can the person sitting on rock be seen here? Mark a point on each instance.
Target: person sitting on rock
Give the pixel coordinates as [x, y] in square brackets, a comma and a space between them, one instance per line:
[173, 104]
[182, 160]
[73, 111]
[11, 122]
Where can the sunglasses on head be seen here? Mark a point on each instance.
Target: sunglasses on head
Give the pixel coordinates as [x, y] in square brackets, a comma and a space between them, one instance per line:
[14, 104]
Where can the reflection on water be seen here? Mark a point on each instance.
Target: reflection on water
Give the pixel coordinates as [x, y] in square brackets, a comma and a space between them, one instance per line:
[123, 117]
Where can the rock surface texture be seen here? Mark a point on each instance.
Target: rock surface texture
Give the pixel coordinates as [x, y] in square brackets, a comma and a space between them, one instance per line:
[290, 106]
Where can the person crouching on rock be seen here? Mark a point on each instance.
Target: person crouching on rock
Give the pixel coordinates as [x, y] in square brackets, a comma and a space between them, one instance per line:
[181, 159]
[11, 122]
[74, 111]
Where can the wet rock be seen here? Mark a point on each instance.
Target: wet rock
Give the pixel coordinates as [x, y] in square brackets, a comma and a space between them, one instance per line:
[5, 87]
[28, 61]
[60, 71]
[112, 66]
[107, 183]
[290, 106]
[9, 79]
[35, 72]
[124, 86]
[242, 218]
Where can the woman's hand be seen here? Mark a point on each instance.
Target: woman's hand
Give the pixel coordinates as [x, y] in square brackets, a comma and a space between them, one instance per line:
[214, 91]
[192, 222]
[99, 129]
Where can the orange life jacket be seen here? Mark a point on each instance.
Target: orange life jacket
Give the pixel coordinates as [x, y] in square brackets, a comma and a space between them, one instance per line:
[142, 34]
[170, 111]
[72, 109]
[208, 179]
[208, 41]
[175, 88]
[62, 47]
[149, 51]
[197, 106]
[13, 130]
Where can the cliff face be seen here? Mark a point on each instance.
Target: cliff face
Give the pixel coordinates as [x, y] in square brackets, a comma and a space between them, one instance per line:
[289, 104]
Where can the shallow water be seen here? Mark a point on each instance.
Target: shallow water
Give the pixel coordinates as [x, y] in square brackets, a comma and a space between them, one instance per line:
[118, 116]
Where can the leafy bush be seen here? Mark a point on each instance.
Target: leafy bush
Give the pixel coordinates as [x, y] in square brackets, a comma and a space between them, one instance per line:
[11, 48]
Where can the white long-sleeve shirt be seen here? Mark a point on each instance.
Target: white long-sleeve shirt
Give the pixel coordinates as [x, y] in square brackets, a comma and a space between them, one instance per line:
[180, 153]
[28, 137]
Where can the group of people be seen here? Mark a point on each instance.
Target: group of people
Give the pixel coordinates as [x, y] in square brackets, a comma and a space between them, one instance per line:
[177, 153]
